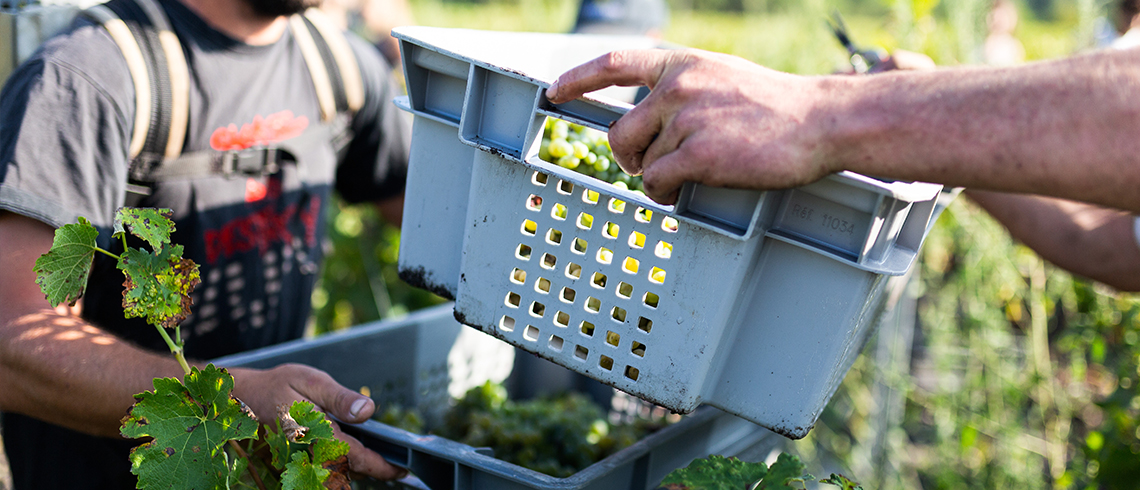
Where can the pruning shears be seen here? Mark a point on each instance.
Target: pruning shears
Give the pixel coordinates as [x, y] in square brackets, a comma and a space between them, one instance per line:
[862, 60]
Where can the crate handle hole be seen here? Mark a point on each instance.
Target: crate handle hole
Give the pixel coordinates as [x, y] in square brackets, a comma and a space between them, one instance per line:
[565, 187]
[616, 206]
[534, 203]
[624, 290]
[613, 338]
[618, 314]
[606, 363]
[542, 285]
[650, 300]
[644, 324]
[556, 343]
[562, 319]
[523, 252]
[669, 224]
[630, 265]
[663, 250]
[605, 256]
[657, 275]
[554, 237]
[559, 212]
[513, 300]
[537, 309]
[531, 333]
[593, 305]
[507, 324]
[637, 240]
[568, 295]
[638, 349]
[539, 179]
[549, 261]
[598, 280]
[581, 353]
[585, 221]
[631, 373]
[587, 329]
[580, 246]
[611, 230]
[643, 215]
[573, 271]
[590, 196]
[518, 276]
[529, 228]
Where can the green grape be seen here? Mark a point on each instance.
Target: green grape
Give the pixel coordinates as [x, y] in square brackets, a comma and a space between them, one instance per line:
[601, 164]
[569, 161]
[560, 148]
[569, 145]
[580, 149]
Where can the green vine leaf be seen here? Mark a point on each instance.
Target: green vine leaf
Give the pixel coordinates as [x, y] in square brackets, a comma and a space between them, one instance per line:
[715, 473]
[842, 482]
[62, 272]
[326, 450]
[158, 285]
[189, 425]
[301, 474]
[313, 420]
[152, 225]
[787, 469]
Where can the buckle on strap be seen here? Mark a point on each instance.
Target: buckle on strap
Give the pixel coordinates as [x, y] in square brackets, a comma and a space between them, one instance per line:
[250, 162]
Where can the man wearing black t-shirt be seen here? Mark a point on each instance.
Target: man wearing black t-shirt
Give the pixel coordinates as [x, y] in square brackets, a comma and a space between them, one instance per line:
[67, 375]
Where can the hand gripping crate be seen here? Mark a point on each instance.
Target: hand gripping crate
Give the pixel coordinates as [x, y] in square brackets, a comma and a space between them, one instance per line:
[426, 358]
[753, 302]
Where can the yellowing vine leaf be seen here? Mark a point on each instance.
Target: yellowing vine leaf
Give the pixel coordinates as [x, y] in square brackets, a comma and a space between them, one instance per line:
[152, 225]
[190, 425]
[158, 285]
[62, 272]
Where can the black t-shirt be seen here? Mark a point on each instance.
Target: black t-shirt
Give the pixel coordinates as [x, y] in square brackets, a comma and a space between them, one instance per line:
[66, 117]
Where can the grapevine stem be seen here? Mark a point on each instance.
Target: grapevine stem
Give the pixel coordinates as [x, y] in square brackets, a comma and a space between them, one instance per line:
[176, 349]
[252, 471]
[116, 257]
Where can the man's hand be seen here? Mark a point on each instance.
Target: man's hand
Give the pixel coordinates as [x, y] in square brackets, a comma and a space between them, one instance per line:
[710, 118]
[264, 390]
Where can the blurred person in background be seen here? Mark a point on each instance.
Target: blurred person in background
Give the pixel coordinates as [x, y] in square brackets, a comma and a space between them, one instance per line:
[622, 17]
[1055, 159]
[68, 374]
[376, 18]
[1001, 48]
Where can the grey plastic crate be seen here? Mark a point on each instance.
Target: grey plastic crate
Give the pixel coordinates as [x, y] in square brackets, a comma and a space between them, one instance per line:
[753, 302]
[416, 360]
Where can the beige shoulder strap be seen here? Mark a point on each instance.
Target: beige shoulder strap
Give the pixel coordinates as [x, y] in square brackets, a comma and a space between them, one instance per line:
[317, 69]
[122, 36]
[345, 58]
[179, 77]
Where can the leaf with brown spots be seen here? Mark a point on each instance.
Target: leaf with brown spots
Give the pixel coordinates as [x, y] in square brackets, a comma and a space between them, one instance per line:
[152, 225]
[190, 423]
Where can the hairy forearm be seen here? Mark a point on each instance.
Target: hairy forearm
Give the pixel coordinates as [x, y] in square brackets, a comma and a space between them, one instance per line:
[1090, 241]
[55, 367]
[1068, 128]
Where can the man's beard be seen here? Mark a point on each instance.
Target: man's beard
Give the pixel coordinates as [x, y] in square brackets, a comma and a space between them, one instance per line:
[275, 8]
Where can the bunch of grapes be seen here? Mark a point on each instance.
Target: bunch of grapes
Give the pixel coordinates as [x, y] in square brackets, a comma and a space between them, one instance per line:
[586, 151]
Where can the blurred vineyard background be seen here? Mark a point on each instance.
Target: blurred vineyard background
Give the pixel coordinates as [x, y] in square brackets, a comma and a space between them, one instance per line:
[1018, 375]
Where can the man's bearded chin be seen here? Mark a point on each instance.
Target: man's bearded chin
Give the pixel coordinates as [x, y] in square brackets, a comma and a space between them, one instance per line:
[275, 8]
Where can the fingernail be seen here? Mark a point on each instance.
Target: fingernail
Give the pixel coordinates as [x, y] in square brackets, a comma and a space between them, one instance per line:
[356, 407]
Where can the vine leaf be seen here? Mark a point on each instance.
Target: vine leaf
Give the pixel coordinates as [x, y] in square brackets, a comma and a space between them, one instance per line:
[189, 425]
[842, 482]
[302, 474]
[715, 473]
[787, 469]
[158, 285]
[152, 225]
[316, 425]
[62, 272]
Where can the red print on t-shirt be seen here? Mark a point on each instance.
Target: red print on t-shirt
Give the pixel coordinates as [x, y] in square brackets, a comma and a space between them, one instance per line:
[275, 127]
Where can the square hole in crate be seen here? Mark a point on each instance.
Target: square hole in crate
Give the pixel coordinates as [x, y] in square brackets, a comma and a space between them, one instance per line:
[630, 265]
[606, 363]
[513, 300]
[549, 261]
[539, 179]
[531, 333]
[618, 314]
[637, 240]
[529, 228]
[613, 338]
[523, 252]
[598, 280]
[537, 309]
[663, 250]
[562, 319]
[590, 196]
[657, 275]
[644, 324]
[616, 206]
[669, 224]
[559, 212]
[611, 230]
[573, 271]
[643, 215]
[593, 305]
[579, 246]
[565, 187]
[586, 328]
[507, 324]
[542, 285]
[585, 221]
[631, 373]
[534, 203]
[518, 276]
[605, 256]
[650, 300]
[581, 353]
[624, 290]
[567, 295]
[556, 343]
[637, 348]
[554, 237]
